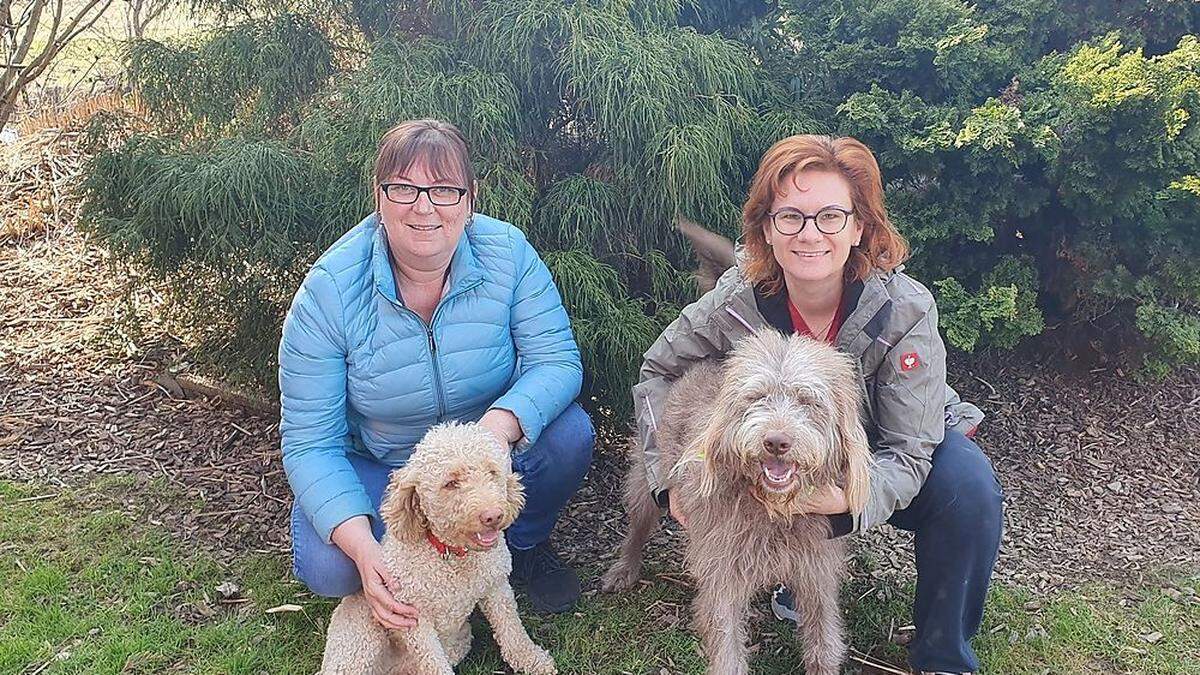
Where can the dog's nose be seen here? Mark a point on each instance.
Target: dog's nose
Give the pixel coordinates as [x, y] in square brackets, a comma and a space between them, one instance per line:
[491, 517]
[777, 443]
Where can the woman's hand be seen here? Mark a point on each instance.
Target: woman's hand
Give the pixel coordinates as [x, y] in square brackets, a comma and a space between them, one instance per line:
[676, 512]
[379, 588]
[827, 501]
[672, 506]
[503, 424]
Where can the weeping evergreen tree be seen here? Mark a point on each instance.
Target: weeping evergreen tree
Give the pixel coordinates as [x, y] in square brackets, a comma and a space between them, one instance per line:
[592, 125]
[1006, 132]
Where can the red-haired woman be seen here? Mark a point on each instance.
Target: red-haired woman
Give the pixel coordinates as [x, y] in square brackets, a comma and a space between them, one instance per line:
[821, 258]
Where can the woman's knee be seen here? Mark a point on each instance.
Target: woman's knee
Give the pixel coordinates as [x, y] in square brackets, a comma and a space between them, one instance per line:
[582, 441]
[966, 481]
[327, 574]
[567, 443]
[322, 567]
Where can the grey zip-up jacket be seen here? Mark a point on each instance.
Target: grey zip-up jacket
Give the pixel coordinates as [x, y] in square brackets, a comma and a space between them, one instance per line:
[891, 330]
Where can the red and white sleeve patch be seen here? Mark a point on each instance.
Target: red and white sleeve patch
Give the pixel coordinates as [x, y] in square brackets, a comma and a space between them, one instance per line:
[909, 361]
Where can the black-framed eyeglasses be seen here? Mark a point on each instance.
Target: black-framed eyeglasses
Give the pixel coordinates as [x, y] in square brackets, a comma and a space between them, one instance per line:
[407, 193]
[829, 220]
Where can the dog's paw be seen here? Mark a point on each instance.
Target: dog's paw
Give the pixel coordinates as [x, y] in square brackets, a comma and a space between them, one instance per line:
[540, 663]
[620, 577]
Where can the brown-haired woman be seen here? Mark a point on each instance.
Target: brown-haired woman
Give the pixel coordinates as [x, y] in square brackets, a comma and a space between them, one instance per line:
[822, 259]
[422, 313]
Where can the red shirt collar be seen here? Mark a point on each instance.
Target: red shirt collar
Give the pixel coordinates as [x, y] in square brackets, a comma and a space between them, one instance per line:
[802, 328]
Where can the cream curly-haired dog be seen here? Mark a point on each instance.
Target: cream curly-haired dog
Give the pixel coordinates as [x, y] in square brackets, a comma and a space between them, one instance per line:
[750, 438]
[445, 512]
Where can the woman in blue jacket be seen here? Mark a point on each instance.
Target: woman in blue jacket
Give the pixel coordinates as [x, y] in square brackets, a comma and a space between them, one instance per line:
[425, 312]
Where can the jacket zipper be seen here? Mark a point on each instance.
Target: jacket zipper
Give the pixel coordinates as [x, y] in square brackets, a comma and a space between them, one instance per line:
[437, 370]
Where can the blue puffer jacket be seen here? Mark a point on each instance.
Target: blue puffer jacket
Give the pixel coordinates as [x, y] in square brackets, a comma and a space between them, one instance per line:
[358, 372]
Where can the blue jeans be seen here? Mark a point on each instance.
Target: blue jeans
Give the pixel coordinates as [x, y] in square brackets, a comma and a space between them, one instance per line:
[551, 469]
[957, 516]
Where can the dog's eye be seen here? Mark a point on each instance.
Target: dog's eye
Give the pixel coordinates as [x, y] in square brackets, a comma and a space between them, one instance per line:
[495, 473]
[451, 484]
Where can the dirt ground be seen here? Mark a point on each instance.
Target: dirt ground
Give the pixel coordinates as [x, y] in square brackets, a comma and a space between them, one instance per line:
[1102, 473]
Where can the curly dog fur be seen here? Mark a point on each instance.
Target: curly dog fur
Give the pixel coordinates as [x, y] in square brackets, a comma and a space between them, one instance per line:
[749, 438]
[458, 486]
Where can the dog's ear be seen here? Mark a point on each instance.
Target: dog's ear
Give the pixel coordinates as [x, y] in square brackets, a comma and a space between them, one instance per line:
[514, 496]
[713, 448]
[854, 453]
[401, 507]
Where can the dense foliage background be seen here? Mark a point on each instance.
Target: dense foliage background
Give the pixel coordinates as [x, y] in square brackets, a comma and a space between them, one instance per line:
[1040, 155]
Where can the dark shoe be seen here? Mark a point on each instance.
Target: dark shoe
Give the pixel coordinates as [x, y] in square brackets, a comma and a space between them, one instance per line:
[552, 587]
[783, 604]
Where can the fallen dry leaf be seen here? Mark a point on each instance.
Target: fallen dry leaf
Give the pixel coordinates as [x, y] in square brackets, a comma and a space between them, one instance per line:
[285, 608]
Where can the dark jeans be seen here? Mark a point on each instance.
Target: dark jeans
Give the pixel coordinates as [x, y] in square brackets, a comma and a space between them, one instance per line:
[551, 470]
[957, 517]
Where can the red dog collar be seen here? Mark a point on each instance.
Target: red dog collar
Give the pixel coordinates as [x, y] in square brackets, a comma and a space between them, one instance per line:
[444, 549]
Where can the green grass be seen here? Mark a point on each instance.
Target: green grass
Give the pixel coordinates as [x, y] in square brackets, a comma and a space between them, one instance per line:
[86, 586]
[1090, 631]
[87, 589]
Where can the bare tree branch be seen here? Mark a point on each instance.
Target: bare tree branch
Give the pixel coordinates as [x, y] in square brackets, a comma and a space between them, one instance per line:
[24, 64]
[30, 29]
[141, 13]
[78, 24]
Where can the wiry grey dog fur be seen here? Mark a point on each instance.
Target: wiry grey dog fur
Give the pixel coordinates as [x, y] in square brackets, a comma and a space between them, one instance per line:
[749, 438]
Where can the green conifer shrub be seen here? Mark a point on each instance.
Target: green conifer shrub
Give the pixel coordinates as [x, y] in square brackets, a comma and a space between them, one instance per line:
[1040, 155]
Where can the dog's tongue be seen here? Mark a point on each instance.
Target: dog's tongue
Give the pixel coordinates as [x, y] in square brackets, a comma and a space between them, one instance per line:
[777, 469]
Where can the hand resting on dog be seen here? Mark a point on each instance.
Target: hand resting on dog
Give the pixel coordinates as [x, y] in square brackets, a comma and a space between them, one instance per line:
[356, 541]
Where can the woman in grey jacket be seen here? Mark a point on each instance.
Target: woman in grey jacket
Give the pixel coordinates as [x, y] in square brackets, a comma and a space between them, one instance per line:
[821, 258]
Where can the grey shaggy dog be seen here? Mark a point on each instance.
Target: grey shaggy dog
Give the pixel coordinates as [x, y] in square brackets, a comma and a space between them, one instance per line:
[749, 438]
